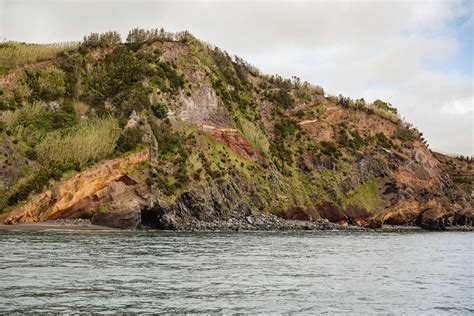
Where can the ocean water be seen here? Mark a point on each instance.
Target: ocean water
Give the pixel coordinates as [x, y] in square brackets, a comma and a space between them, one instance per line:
[242, 272]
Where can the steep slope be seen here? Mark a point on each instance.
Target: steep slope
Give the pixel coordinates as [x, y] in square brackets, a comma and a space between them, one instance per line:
[224, 140]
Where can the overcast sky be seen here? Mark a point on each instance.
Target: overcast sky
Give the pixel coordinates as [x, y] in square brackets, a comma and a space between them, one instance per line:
[417, 55]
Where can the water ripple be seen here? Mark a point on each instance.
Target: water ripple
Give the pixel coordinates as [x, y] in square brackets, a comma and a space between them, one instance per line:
[254, 272]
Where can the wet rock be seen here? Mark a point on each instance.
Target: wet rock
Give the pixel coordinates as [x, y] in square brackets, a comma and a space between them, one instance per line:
[433, 219]
[303, 214]
[332, 212]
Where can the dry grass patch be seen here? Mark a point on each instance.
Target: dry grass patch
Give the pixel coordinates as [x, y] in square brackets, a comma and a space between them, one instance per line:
[254, 135]
[13, 54]
[91, 140]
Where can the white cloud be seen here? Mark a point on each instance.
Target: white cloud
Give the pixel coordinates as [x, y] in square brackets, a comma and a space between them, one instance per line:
[460, 106]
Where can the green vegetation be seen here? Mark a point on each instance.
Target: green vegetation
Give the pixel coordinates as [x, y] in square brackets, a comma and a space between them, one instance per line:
[104, 40]
[366, 195]
[254, 135]
[330, 148]
[404, 134]
[129, 139]
[46, 84]
[282, 98]
[174, 149]
[379, 108]
[13, 54]
[286, 130]
[36, 182]
[160, 109]
[351, 139]
[91, 140]
[75, 110]
[383, 141]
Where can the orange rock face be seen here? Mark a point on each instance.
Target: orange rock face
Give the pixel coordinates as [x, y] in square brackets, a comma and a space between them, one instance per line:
[80, 195]
[235, 140]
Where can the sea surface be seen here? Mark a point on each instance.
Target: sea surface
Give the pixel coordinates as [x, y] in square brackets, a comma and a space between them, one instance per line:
[242, 272]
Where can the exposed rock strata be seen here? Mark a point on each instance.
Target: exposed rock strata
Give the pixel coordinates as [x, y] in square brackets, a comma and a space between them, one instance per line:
[103, 193]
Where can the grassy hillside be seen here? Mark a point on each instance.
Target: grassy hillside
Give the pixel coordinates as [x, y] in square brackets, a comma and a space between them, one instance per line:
[209, 117]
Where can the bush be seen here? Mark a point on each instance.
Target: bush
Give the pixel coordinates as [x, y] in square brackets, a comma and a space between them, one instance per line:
[38, 181]
[160, 109]
[129, 139]
[286, 127]
[91, 140]
[282, 98]
[31, 154]
[385, 106]
[46, 84]
[128, 101]
[107, 39]
[404, 134]
[383, 141]
[329, 148]
[171, 144]
[139, 36]
[120, 72]
[48, 121]
[176, 81]
[33, 184]
[351, 140]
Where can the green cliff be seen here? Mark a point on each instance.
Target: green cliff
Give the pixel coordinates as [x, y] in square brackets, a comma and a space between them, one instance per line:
[216, 140]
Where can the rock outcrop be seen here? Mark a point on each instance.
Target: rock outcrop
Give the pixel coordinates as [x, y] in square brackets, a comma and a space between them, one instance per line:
[230, 148]
[104, 193]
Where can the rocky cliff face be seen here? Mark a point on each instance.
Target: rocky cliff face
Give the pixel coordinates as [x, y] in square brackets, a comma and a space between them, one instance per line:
[227, 144]
[103, 193]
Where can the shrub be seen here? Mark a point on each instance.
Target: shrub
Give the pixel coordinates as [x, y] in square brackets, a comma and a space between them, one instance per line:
[383, 141]
[384, 112]
[286, 127]
[329, 148]
[176, 80]
[119, 72]
[140, 36]
[404, 134]
[31, 154]
[351, 139]
[282, 98]
[47, 84]
[345, 102]
[93, 139]
[49, 120]
[32, 184]
[38, 181]
[129, 139]
[9, 118]
[385, 106]
[171, 144]
[160, 109]
[96, 40]
[128, 101]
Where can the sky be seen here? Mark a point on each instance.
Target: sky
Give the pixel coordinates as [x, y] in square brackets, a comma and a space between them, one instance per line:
[417, 55]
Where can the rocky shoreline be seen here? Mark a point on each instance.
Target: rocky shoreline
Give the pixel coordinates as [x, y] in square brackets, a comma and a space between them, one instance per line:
[256, 222]
[270, 222]
[55, 225]
[261, 222]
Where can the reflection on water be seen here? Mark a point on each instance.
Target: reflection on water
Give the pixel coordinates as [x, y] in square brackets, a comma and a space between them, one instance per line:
[265, 272]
